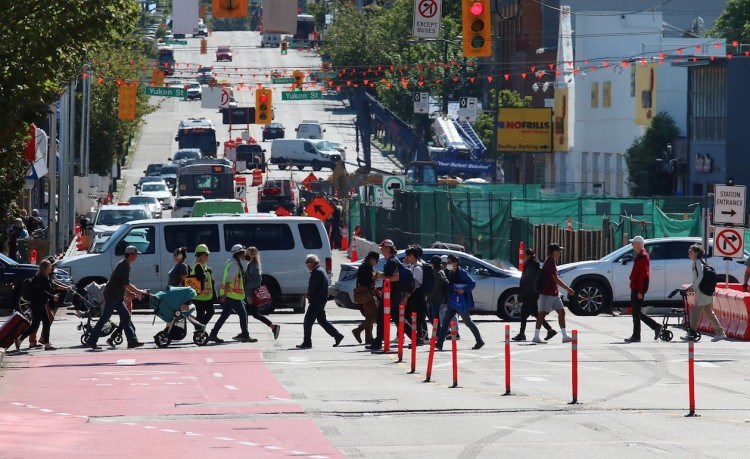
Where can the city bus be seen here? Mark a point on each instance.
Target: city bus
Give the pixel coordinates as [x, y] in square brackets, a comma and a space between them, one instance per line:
[198, 133]
[212, 181]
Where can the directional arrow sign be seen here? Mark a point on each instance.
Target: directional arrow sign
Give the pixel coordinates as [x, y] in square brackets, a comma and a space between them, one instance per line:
[162, 91]
[320, 208]
[729, 204]
[728, 242]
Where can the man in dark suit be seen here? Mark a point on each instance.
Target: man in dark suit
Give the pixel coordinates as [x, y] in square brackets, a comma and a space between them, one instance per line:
[317, 296]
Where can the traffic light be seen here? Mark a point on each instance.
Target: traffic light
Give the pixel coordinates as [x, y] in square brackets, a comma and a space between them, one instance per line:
[283, 47]
[263, 106]
[128, 93]
[229, 8]
[477, 38]
[299, 78]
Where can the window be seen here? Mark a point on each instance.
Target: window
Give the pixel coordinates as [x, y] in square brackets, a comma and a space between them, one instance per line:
[707, 96]
[264, 236]
[204, 182]
[607, 94]
[309, 147]
[190, 236]
[142, 237]
[678, 250]
[594, 95]
[658, 251]
[473, 268]
[310, 236]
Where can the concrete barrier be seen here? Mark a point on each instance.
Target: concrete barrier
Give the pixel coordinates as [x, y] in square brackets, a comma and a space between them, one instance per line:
[363, 247]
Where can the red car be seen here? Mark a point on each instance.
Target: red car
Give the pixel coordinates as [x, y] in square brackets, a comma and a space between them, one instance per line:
[224, 53]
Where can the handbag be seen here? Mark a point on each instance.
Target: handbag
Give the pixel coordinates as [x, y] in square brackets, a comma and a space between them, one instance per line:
[362, 295]
[261, 297]
[458, 302]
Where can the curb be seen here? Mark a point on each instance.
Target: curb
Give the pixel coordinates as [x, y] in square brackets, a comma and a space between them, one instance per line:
[2, 357]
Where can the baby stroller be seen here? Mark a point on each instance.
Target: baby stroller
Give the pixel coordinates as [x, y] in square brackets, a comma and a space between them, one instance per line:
[682, 318]
[93, 301]
[171, 306]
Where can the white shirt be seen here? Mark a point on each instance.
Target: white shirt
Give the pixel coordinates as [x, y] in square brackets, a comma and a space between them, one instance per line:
[418, 272]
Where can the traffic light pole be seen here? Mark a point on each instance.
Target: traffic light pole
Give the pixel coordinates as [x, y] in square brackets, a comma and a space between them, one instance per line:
[445, 77]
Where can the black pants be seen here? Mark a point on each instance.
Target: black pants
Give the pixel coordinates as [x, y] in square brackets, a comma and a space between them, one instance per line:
[637, 304]
[395, 301]
[317, 312]
[529, 308]
[204, 310]
[253, 312]
[417, 303]
[38, 315]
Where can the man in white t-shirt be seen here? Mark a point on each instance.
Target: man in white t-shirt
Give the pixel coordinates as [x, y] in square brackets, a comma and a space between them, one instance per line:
[415, 300]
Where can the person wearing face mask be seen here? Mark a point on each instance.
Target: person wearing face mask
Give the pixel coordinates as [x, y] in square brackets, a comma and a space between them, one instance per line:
[415, 300]
[390, 272]
[253, 279]
[462, 283]
[529, 296]
[41, 292]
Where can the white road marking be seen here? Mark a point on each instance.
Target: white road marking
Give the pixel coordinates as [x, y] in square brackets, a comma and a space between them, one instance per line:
[129, 424]
[46, 410]
[173, 383]
[17, 403]
[534, 378]
[298, 359]
[319, 457]
[89, 379]
[133, 384]
[169, 430]
[189, 377]
[299, 453]
[224, 438]
[122, 379]
[31, 406]
[519, 430]
[105, 385]
[63, 414]
[279, 399]
[155, 378]
[209, 360]
[272, 447]
[247, 443]
[230, 387]
[706, 364]
[126, 362]
[218, 375]
[193, 434]
[149, 427]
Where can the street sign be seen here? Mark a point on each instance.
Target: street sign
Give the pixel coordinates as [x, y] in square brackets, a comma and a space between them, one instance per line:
[240, 188]
[320, 208]
[163, 91]
[467, 109]
[238, 115]
[282, 80]
[728, 242]
[215, 97]
[729, 204]
[175, 42]
[427, 17]
[393, 183]
[309, 180]
[421, 102]
[302, 95]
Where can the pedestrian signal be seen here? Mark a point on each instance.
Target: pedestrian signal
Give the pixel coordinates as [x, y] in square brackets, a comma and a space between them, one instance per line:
[477, 38]
[283, 47]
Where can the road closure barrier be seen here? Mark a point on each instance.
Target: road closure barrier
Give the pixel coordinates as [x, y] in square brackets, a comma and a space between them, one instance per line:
[574, 366]
[732, 307]
[507, 360]
[691, 376]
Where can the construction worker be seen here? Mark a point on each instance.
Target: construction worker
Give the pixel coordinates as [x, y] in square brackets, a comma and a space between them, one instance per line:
[204, 301]
[232, 296]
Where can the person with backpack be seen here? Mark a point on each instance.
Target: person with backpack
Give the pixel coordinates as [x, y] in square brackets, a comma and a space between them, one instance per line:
[393, 272]
[461, 301]
[530, 297]
[438, 294]
[639, 279]
[415, 300]
[704, 285]
[365, 296]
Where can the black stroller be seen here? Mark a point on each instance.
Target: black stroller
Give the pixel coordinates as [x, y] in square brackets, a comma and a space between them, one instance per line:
[172, 306]
[93, 301]
[681, 316]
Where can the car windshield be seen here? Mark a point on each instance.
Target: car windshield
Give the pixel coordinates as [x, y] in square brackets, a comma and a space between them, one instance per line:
[194, 86]
[223, 49]
[187, 154]
[186, 202]
[150, 187]
[110, 217]
[143, 200]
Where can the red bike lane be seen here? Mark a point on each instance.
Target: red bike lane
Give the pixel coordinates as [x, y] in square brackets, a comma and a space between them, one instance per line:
[173, 402]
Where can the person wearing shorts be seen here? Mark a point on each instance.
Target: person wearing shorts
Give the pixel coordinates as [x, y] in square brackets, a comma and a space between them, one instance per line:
[549, 295]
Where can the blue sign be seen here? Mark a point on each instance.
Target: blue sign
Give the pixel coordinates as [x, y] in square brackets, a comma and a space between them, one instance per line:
[443, 166]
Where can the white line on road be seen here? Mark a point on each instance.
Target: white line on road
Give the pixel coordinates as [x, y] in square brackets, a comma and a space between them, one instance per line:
[126, 362]
[209, 360]
[63, 414]
[279, 398]
[224, 438]
[46, 410]
[193, 434]
[706, 364]
[272, 447]
[534, 378]
[105, 385]
[218, 375]
[517, 429]
[169, 430]
[247, 443]
[189, 377]
[230, 387]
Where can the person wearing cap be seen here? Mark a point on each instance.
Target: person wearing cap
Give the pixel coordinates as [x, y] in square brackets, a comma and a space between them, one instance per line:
[232, 296]
[390, 272]
[317, 297]
[17, 232]
[114, 300]
[300, 211]
[460, 282]
[204, 301]
[547, 284]
[639, 279]
[529, 296]
[365, 291]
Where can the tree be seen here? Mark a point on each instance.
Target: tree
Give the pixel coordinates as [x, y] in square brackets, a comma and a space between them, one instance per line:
[647, 176]
[485, 123]
[45, 46]
[734, 22]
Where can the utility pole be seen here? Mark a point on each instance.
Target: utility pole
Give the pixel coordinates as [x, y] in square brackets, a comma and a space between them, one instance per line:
[445, 77]
[52, 174]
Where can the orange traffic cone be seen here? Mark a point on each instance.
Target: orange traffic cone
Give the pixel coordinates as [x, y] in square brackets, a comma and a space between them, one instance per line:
[354, 253]
[344, 243]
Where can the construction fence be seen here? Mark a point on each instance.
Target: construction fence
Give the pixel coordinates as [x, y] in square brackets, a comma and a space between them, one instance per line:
[491, 221]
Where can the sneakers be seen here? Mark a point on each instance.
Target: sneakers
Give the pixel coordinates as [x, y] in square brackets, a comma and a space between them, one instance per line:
[247, 339]
[215, 339]
[551, 334]
[632, 340]
[438, 347]
[373, 347]
[479, 345]
[35, 346]
[719, 337]
[537, 340]
[687, 337]
[49, 347]
[237, 336]
[93, 346]
[304, 346]
[134, 344]
[17, 343]
[519, 337]
[275, 329]
[339, 339]
[567, 339]
[357, 335]
[657, 332]
[111, 343]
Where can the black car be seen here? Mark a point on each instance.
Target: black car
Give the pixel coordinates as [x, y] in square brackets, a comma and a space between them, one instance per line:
[153, 169]
[273, 131]
[12, 274]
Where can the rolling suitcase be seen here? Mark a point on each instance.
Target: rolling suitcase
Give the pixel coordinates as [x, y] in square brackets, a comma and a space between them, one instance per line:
[13, 328]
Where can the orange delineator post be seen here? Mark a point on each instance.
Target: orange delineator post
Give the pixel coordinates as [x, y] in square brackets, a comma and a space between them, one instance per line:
[691, 376]
[507, 360]
[32, 257]
[401, 312]
[454, 351]
[574, 349]
[354, 255]
[433, 340]
[386, 315]
[413, 342]
[344, 243]
[520, 256]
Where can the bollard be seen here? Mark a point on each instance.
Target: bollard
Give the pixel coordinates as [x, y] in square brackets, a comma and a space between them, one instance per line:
[413, 343]
[386, 315]
[569, 224]
[454, 351]
[433, 339]
[574, 347]
[354, 255]
[507, 360]
[520, 257]
[344, 243]
[401, 311]
[32, 257]
[691, 377]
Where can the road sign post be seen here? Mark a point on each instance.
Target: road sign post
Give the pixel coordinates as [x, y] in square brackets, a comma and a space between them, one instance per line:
[427, 18]
[729, 204]
[467, 109]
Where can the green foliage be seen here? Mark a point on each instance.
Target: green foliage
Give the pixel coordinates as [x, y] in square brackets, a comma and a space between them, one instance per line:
[645, 175]
[45, 46]
[485, 123]
[734, 22]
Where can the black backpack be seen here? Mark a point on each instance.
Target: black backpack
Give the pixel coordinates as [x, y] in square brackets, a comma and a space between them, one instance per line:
[428, 278]
[708, 283]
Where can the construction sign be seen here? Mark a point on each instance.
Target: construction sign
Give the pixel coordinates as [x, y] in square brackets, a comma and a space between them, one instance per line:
[309, 179]
[320, 208]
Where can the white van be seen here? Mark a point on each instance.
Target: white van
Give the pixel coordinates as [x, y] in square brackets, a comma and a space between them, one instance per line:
[283, 244]
[301, 153]
[270, 39]
[310, 130]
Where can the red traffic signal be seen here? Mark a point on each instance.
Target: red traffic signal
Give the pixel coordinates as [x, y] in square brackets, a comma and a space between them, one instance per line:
[476, 28]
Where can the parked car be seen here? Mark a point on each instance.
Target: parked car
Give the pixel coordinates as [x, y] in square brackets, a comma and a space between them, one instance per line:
[273, 131]
[497, 290]
[153, 169]
[147, 179]
[224, 53]
[160, 191]
[111, 217]
[194, 91]
[153, 204]
[183, 206]
[12, 274]
[601, 284]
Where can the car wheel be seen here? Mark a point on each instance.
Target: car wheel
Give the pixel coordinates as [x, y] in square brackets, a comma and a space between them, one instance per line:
[509, 305]
[282, 163]
[592, 297]
[300, 167]
[316, 165]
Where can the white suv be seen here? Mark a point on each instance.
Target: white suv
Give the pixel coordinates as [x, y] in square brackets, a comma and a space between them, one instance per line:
[605, 283]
